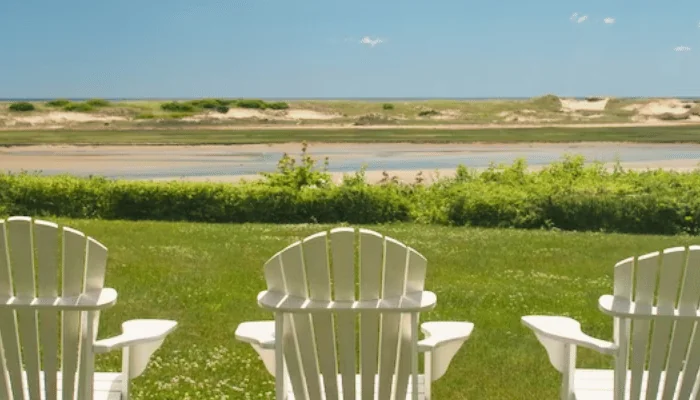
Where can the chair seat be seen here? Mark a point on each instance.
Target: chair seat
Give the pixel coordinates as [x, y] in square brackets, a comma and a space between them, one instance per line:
[107, 385]
[358, 389]
[598, 384]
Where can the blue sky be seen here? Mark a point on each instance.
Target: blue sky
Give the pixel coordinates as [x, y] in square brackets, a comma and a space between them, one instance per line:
[313, 48]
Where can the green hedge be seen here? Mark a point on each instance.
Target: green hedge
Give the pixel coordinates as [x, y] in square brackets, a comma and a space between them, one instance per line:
[567, 195]
[179, 201]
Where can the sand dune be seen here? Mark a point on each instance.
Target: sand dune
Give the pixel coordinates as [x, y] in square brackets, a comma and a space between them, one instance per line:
[284, 115]
[569, 105]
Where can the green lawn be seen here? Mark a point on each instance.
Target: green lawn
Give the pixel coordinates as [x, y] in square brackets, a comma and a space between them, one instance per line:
[206, 276]
[668, 134]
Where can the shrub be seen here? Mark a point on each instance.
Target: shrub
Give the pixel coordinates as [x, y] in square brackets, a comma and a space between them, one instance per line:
[222, 109]
[428, 113]
[175, 106]
[205, 103]
[79, 107]
[98, 103]
[251, 103]
[278, 105]
[673, 117]
[547, 102]
[58, 103]
[21, 106]
[387, 106]
[374, 119]
[593, 99]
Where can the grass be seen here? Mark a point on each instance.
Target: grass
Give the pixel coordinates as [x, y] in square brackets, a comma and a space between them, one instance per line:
[669, 134]
[207, 276]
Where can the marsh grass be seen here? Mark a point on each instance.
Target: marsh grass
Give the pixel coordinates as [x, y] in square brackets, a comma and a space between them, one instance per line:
[207, 276]
[166, 130]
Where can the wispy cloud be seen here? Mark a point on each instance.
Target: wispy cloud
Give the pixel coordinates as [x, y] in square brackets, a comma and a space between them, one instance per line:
[609, 20]
[371, 42]
[681, 48]
[576, 17]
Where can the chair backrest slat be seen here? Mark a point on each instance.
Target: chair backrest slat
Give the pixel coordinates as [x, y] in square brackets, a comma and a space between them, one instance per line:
[645, 283]
[688, 350]
[668, 350]
[46, 244]
[74, 244]
[623, 279]
[302, 337]
[343, 265]
[673, 264]
[22, 260]
[371, 267]
[318, 273]
[12, 365]
[415, 278]
[394, 284]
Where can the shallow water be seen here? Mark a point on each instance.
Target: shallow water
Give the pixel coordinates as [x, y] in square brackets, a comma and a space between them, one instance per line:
[175, 162]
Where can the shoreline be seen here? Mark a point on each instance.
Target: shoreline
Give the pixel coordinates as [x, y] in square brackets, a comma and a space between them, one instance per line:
[230, 163]
[336, 126]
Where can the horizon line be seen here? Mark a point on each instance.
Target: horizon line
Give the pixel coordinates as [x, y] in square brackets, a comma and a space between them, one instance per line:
[6, 99]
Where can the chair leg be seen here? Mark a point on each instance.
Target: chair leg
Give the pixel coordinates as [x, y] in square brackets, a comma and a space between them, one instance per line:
[427, 375]
[125, 373]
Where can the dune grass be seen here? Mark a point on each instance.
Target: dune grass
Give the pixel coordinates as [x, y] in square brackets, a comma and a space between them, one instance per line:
[666, 134]
[544, 109]
[207, 276]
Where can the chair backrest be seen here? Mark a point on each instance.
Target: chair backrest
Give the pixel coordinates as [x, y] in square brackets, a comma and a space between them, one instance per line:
[38, 325]
[346, 265]
[659, 342]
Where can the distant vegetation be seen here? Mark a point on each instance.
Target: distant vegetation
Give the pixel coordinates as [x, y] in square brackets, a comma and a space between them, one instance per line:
[673, 117]
[428, 113]
[79, 107]
[547, 108]
[221, 105]
[86, 106]
[547, 102]
[175, 106]
[98, 103]
[374, 119]
[58, 103]
[21, 106]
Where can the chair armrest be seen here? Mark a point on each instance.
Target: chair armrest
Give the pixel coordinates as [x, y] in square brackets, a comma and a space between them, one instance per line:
[140, 338]
[136, 332]
[260, 333]
[554, 333]
[443, 340]
[261, 336]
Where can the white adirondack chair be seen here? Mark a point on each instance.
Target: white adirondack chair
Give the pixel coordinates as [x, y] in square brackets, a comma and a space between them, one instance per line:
[311, 346]
[38, 325]
[656, 344]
